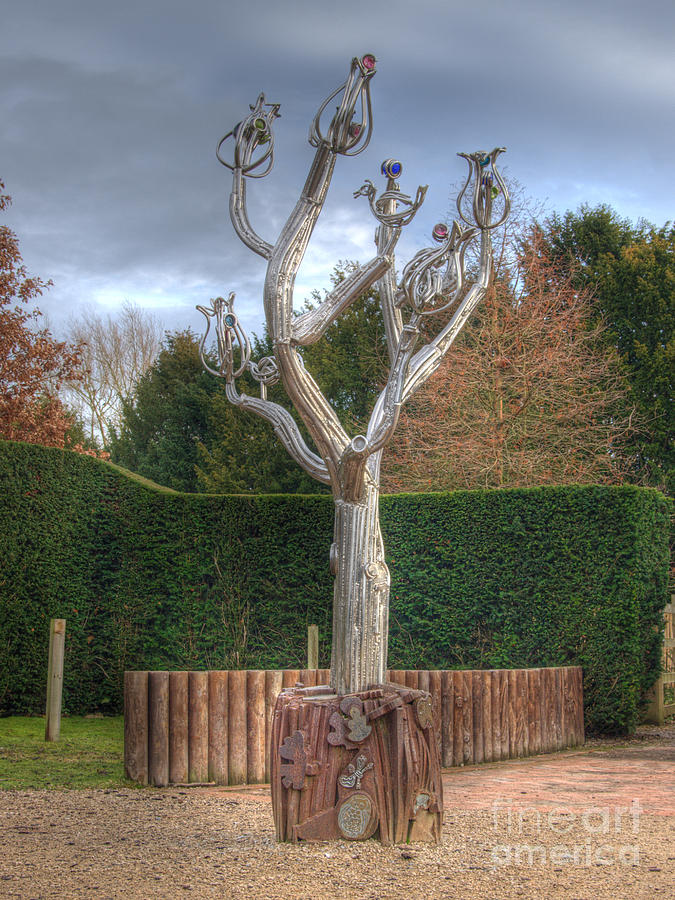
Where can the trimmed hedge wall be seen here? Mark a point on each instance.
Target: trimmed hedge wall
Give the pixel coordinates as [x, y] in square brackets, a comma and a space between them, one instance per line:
[151, 579]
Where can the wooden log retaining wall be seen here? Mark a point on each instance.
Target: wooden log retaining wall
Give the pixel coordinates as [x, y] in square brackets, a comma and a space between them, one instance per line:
[215, 727]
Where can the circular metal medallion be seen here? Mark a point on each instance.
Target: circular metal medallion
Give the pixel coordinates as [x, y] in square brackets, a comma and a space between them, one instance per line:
[357, 818]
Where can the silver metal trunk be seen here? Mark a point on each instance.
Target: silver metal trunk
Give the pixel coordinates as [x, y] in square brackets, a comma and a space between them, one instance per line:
[361, 595]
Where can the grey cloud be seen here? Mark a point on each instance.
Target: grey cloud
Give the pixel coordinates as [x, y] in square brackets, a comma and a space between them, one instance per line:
[112, 112]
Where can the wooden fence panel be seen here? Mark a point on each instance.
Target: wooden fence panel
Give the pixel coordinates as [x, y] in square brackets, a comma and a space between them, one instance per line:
[218, 726]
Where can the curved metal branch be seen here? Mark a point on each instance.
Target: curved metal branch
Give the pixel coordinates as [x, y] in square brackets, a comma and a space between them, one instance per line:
[386, 210]
[425, 362]
[285, 428]
[310, 326]
[239, 217]
[253, 148]
[228, 331]
[383, 420]
[384, 417]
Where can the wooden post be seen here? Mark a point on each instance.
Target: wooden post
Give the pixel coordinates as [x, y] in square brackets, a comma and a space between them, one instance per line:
[495, 706]
[523, 736]
[412, 677]
[273, 685]
[218, 726]
[290, 677]
[255, 727]
[436, 705]
[504, 737]
[533, 718]
[477, 716]
[57, 640]
[486, 678]
[136, 726]
[467, 717]
[513, 714]
[308, 677]
[312, 646]
[158, 728]
[178, 727]
[237, 727]
[198, 727]
[447, 717]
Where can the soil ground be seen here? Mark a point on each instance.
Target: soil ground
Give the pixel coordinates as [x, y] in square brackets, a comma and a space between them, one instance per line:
[583, 825]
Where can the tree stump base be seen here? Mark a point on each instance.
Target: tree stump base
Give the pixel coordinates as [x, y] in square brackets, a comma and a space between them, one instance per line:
[354, 767]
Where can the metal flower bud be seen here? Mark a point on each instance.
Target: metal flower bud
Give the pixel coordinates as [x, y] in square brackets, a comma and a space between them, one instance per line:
[392, 207]
[228, 333]
[488, 184]
[351, 127]
[253, 134]
[424, 285]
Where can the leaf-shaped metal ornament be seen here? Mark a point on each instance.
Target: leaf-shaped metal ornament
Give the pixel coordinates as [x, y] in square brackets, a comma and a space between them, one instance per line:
[488, 185]
[253, 140]
[351, 127]
[228, 333]
[425, 285]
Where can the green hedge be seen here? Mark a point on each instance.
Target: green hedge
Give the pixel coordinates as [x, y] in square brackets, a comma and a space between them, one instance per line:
[151, 579]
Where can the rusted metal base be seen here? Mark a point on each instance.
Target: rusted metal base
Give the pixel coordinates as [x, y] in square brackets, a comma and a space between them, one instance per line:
[357, 766]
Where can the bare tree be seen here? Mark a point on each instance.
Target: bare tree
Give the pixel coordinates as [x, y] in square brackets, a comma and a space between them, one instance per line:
[531, 395]
[116, 351]
[433, 282]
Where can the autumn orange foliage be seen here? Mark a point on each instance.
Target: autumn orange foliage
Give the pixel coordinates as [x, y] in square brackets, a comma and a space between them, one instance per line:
[33, 365]
[530, 395]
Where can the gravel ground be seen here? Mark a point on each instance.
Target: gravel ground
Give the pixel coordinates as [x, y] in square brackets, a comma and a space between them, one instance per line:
[220, 843]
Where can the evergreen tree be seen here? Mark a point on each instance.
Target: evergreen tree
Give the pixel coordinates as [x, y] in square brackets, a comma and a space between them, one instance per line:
[630, 271]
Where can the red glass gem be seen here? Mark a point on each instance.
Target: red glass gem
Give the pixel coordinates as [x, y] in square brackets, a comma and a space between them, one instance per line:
[440, 232]
[368, 62]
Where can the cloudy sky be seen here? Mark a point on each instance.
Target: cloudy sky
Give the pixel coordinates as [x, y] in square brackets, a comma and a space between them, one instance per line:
[111, 112]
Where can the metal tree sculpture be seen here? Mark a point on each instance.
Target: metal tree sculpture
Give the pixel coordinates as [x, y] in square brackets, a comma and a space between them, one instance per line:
[433, 282]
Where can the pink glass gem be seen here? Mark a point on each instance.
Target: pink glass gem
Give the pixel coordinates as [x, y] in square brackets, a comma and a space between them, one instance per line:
[440, 232]
[355, 130]
[368, 61]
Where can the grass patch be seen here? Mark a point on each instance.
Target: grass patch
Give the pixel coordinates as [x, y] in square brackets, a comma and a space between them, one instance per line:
[89, 754]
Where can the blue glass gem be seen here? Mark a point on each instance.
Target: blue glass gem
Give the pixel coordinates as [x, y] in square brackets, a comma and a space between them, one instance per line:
[230, 320]
[485, 161]
[392, 168]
